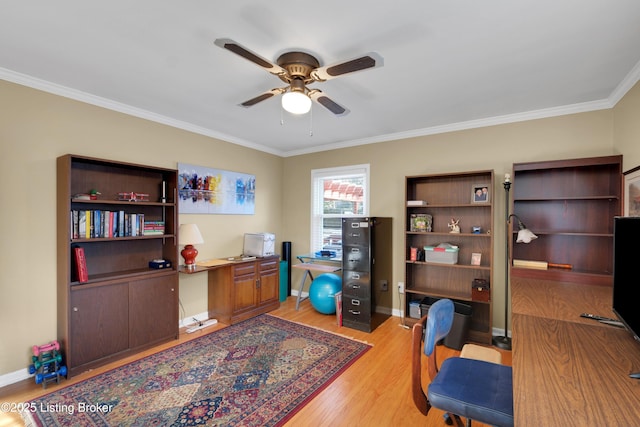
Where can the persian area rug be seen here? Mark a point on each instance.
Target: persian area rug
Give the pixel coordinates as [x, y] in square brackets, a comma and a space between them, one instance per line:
[259, 372]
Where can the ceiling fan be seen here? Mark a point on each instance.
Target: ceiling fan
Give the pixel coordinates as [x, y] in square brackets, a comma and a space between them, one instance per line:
[299, 69]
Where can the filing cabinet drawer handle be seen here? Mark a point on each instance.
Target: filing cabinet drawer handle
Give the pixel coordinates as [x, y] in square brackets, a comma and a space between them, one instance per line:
[355, 286]
[355, 302]
[355, 249]
[355, 275]
[357, 313]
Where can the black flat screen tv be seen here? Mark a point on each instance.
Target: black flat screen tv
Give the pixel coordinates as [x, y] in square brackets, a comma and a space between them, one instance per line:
[626, 280]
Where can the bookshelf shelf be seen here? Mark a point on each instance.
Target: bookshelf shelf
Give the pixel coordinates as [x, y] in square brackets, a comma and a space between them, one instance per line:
[115, 239]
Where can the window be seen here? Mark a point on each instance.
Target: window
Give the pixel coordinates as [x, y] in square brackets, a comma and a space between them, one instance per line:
[335, 193]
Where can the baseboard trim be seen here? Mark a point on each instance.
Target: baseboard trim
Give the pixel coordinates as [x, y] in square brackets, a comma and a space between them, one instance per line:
[14, 377]
[294, 293]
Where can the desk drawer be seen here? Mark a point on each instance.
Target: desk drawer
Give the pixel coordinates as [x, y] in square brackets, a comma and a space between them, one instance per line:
[244, 269]
[269, 264]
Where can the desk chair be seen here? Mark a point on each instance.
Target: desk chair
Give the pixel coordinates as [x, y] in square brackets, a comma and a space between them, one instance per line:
[462, 387]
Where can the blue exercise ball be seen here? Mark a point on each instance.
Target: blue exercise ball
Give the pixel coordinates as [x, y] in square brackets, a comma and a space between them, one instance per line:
[323, 290]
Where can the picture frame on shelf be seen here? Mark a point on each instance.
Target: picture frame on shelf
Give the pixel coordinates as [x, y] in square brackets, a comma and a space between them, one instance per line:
[421, 223]
[480, 193]
[476, 258]
[632, 192]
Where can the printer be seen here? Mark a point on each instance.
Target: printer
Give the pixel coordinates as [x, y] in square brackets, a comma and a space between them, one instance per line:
[259, 244]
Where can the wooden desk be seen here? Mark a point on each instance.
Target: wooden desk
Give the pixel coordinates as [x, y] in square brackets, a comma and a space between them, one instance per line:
[562, 301]
[240, 289]
[570, 371]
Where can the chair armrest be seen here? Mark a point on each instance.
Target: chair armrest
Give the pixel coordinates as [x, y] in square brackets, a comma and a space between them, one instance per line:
[419, 397]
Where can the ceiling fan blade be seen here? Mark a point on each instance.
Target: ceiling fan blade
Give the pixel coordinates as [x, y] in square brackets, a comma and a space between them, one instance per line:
[251, 56]
[328, 103]
[262, 97]
[364, 62]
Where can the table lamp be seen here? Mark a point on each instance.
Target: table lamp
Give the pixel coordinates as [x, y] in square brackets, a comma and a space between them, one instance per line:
[189, 236]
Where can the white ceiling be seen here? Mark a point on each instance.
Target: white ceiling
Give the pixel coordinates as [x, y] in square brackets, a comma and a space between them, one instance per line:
[448, 64]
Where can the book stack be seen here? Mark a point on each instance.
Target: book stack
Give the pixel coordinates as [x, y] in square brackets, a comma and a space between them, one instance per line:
[414, 203]
[153, 228]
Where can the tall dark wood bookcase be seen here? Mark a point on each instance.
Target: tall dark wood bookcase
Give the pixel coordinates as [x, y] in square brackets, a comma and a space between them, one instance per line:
[569, 205]
[125, 305]
[450, 196]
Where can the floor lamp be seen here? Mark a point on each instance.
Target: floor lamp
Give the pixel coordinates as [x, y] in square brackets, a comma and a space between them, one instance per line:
[524, 236]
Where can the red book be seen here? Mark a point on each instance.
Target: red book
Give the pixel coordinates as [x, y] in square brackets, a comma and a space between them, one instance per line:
[81, 264]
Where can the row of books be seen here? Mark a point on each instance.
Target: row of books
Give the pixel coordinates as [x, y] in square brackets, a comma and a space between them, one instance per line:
[92, 224]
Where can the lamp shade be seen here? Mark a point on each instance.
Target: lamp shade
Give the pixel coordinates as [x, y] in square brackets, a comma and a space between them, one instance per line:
[525, 236]
[189, 234]
[296, 102]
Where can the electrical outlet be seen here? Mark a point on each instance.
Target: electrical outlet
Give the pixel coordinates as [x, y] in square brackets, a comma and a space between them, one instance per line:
[384, 285]
[401, 287]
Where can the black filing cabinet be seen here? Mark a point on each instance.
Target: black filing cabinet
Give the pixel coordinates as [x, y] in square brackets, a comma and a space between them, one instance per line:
[366, 266]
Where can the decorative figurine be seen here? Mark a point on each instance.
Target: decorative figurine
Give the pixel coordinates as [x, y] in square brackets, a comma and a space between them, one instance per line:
[453, 225]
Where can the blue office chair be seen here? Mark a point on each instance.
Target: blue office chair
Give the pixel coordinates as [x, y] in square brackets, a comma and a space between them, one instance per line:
[469, 388]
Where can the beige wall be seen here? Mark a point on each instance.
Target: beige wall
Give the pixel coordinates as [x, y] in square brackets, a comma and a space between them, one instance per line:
[496, 147]
[36, 127]
[627, 128]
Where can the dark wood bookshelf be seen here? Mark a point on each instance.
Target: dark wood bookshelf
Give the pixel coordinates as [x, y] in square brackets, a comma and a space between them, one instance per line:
[450, 196]
[124, 306]
[570, 206]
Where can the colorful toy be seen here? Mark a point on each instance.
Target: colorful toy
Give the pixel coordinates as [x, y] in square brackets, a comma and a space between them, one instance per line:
[47, 363]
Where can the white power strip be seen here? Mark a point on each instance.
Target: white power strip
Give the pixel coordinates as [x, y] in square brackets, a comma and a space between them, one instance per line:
[202, 325]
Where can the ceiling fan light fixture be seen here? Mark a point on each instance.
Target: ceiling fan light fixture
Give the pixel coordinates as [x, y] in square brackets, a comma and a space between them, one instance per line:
[299, 69]
[296, 102]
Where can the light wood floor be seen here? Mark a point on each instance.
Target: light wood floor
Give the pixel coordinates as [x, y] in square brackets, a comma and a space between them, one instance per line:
[374, 391]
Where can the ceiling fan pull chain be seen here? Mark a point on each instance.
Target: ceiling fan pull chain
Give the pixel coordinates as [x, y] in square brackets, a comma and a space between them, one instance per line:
[281, 115]
[311, 122]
